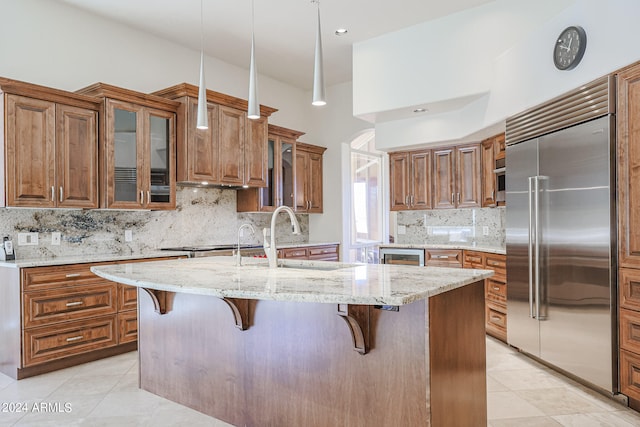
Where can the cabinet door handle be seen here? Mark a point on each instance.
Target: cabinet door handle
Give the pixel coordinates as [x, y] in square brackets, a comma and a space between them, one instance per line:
[411, 198]
[458, 197]
[141, 197]
[406, 200]
[70, 339]
[61, 193]
[72, 275]
[53, 193]
[453, 200]
[495, 288]
[496, 318]
[75, 303]
[493, 195]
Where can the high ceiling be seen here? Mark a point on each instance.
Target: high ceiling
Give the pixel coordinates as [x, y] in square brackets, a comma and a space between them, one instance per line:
[284, 29]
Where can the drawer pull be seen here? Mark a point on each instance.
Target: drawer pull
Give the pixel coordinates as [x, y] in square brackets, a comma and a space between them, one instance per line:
[70, 275]
[496, 318]
[73, 304]
[440, 256]
[495, 288]
[71, 339]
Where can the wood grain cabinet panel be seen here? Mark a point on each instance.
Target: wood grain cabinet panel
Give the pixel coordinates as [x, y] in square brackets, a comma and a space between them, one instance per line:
[473, 259]
[256, 153]
[46, 278]
[127, 297]
[399, 175]
[308, 178]
[231, 130]
[69, 303]
[629, 288]
[489, 184]
[55, 342]
[324, 253]
[411, 180]
[630, 376]
[127, 326]
[468, 176]
[443, 258]
[444, 179]
[630, 330]
[496, 291]
[496, 321]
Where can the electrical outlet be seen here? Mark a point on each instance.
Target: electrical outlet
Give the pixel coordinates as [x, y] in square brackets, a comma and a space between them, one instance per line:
[485, 230]
[55, 238]
[27, 239]
[402, 229]
[429, 231]
[128, 235]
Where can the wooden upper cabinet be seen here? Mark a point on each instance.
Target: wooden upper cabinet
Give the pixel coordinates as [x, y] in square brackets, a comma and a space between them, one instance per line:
[410, 174]
[457, 177]
[232, 152]
[50, 147]
[628, 142]
[489, 185]
[468, 176]
[444, 178]
[231, 137]
[280, 182]
[399, 173]
[308, 178]
[138, 150]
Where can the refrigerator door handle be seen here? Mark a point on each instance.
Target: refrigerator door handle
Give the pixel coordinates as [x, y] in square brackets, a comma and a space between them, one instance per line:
[531, 244]
[536, 199]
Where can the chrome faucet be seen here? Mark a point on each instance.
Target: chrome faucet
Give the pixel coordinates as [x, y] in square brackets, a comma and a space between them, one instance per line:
[238, 256]
[270, 247]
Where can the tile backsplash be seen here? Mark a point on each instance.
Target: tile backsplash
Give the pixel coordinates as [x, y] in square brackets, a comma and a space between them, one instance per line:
[481, 226]
[202, 216]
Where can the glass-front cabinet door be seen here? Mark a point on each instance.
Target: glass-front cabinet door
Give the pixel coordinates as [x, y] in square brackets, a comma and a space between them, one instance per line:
[287, 188]
[139, 157]
[269, 194]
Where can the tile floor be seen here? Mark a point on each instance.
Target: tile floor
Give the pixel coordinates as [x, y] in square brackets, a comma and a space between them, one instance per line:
[104, 393]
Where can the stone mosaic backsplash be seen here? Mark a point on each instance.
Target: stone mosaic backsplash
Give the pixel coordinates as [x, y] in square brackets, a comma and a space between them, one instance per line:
[482, 227]
[203, 216]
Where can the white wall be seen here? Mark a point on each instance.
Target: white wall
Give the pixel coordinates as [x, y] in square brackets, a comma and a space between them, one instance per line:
[501, 51]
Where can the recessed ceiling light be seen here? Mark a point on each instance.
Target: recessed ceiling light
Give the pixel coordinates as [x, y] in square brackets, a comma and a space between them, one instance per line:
[341, 31]
[420, 110]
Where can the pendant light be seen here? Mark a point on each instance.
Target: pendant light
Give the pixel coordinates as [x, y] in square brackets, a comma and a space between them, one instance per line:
[253, 111]
[318, 73]
[202, 121]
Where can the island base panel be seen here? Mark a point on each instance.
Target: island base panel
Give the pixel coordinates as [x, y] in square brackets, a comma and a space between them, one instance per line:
[295, 364]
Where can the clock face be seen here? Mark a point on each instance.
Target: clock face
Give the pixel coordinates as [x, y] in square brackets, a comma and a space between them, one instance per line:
[569, 48]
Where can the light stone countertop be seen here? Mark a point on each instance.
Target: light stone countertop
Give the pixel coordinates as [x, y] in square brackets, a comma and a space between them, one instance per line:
[463, 246]
[301, 281]
[79, 259]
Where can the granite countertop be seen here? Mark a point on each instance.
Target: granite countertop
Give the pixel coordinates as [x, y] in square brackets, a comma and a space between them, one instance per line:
[302, 281]
[303, 245]
[79, 259]
[463, 246]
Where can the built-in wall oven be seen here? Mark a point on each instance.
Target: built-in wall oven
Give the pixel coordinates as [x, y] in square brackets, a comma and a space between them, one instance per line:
[500, 179]
[404, 256]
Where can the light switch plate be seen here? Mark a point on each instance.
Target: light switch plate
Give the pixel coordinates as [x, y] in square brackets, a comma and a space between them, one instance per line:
[128, 235]
[27, 239]
[402, 229]
[485, 230]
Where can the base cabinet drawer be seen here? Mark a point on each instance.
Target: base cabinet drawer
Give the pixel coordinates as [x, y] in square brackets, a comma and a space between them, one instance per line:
[127, 297]
[55, 342]
[474, 259]
[495, 291]
[630, 330]
[630, 374]
[443, 258]
[72, 303]
[324, 253]
[127, 326]
[496, 320]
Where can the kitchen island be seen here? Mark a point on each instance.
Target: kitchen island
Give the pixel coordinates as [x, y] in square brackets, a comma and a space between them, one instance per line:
[312, 343]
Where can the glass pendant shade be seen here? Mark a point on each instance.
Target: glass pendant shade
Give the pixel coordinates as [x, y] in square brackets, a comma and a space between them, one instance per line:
[319, 97]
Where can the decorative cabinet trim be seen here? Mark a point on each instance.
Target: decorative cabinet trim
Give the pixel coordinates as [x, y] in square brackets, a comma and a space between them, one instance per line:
[358, 319]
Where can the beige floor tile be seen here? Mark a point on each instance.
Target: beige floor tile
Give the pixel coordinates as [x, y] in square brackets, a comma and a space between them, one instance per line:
[558, 401]
[85, 386]
[595, 419]
[495, 385]
[526, 379]
[170, 414]
[126, 403]
[506, 404]
[526, 422]
[74, 412]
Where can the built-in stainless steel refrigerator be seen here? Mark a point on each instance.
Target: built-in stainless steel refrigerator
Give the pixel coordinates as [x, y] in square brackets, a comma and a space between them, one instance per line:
[560, 214]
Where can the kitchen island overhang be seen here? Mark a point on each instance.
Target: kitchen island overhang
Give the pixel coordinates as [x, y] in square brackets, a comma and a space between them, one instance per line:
[256, 346]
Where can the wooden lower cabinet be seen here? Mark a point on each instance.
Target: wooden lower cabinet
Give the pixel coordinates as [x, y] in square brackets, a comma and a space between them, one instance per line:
[630, 377]
[58, 316]
[629, 334]
[316, 253]
[495, 290]
[451, 258]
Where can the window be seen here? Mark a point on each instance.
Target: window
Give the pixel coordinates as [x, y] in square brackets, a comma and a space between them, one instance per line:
[366, 227]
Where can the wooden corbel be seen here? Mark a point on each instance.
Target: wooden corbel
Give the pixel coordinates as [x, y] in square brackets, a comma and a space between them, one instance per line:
[240, 309]
[162, 300]
[358, 319]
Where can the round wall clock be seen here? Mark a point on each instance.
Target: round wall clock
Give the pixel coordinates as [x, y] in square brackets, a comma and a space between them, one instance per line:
[569, 48]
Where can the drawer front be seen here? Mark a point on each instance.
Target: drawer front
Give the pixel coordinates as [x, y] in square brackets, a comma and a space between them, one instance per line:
[127, 297]
[630, 330]
[60, 305]
[326, 253]
[55, 342]
[295, 253]
[630, 289]
[495, 291]
[473, 259]
[497, 263]
[44, 278]
[443, 258]
[127, 327]
[496, 320]
[630, 374]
